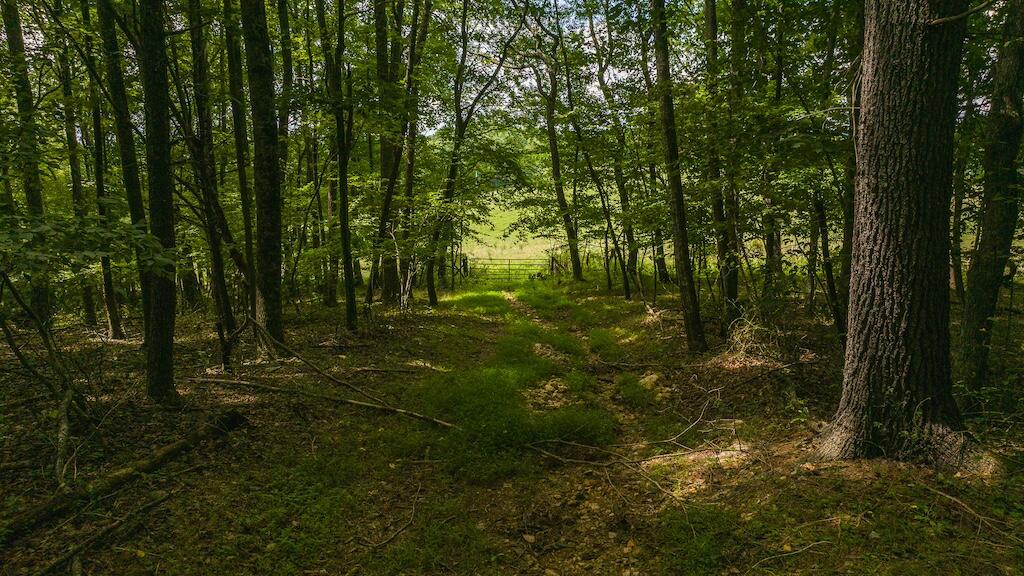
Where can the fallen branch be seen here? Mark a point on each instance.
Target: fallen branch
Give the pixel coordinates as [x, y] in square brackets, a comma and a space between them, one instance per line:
[130, 518]
[66, 498]
[329, 397]
[315, 368]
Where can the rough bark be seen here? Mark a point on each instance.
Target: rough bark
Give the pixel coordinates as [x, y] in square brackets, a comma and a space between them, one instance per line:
[1000, 200]
[897, 399]
[684, 270]
[163, 296]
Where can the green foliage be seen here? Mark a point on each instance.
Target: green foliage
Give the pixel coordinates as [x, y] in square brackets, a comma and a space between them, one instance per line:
[632, 392]
[605, 344]
[488, 303]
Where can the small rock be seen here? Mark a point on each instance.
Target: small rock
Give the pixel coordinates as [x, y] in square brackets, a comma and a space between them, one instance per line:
[650, 381]
[529, 538]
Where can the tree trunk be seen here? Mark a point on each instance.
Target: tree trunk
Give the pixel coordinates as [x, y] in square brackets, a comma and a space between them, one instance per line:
[236, 92]
[680, 233]
[115, 328]
[266, 167]
[287, 79]
[897, 396]
[1001, 197]
[163, 297]
[27, 145]
[550, 101]
[725, 228]
[78, 202]
[125, 133]
[204, 162]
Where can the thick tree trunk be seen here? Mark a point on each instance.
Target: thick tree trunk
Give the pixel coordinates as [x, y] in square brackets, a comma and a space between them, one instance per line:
[163, 297]
[266, 167]
[1001, 198]
[680, 233]
[236, 92]
[897, 396]
[27, 145]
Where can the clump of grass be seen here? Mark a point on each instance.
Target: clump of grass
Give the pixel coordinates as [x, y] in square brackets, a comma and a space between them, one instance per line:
[632, 392]
[560, 341]
[548, 302]
[605, 344]
[580, 383]
[497, 428]
[489, 303]
[582, 425]
[690, 542]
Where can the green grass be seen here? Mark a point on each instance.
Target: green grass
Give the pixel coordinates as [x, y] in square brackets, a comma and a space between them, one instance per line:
[605, 344]
[632, 392]
[488, 303]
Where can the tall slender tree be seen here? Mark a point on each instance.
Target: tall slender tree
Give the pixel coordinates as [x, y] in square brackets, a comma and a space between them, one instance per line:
[115, 328]
[125, 133]
[680, 231]
[1001, 197]
[28, 154]
[266, 166]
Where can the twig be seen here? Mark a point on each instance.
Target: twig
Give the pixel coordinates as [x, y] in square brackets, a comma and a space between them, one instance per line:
[793, 553]
[403, 527]
[962, 15]
[63, 431]
[317, 369]
[297, 392]
[105, 531]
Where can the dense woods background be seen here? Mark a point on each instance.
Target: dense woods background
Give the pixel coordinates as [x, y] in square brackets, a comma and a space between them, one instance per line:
[201, 193]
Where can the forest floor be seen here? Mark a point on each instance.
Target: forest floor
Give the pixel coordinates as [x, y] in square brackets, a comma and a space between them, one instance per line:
[587, 442]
